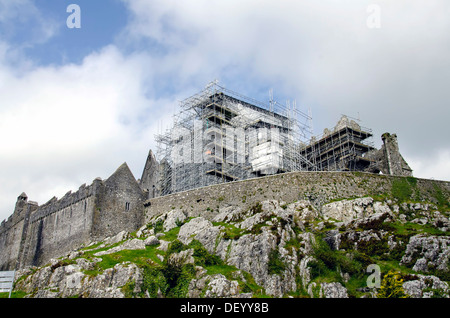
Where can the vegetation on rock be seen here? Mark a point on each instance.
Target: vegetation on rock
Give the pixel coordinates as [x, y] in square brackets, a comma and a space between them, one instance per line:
[274, 249]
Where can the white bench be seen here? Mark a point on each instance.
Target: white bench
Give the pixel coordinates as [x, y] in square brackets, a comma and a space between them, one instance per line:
[6, 282]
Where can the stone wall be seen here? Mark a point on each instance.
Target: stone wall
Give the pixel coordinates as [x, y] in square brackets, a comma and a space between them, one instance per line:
[119, 205]
[150, 177]
[318, 187]
[388, 159]
[13, 231]
[63, 230]
[58, 226]
[396, 164]
[35, 234]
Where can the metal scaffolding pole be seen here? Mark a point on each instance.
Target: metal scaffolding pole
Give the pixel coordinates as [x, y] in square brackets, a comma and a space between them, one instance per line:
[220, 136]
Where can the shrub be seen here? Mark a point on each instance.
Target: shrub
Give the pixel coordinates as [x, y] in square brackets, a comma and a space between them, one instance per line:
[275, 264]
[230, 232]
[257, 208]
[202, 256]
[159, 226]
[391, 286]
[318, 268]
[328, 262]
[171, 278]
[373, 246]
[175, 247]
[154, 281]
[362, 258]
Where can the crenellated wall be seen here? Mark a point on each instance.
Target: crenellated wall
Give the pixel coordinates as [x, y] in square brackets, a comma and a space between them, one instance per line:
[13, 232]
[57, 228]
[67, 201]
[35, 234]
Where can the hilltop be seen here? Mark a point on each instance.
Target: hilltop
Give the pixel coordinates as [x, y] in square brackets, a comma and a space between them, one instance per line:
[265, 248]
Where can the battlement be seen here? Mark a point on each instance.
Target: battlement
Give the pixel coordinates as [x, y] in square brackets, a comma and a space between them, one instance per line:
[54, 205]
[19, 214]
[33, 234]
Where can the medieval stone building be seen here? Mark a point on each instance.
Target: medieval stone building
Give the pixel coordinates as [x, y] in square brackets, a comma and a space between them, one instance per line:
[34, 234]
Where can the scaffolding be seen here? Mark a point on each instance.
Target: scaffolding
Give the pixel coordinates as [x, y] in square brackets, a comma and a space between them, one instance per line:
[220, 136]
[344, 148]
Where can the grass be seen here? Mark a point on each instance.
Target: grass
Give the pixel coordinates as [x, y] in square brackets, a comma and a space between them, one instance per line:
[159, 226]
[223, 269]
[139, 257]
[409, 229]
[443, 203]
[329, 266]
[246, 281]
[169, 279]
[402, 188]
[172, 280]
[294, 244]
[230, 232]
[393, 265]
[91, 250]
[14, 294]
[171, 235]
[405, 190]
[355, 283]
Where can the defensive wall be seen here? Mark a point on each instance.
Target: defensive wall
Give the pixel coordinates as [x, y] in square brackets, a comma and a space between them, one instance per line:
[35, 234]
[318, 187]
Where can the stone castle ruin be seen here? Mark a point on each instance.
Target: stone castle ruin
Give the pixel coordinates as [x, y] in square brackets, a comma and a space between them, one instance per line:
[34, 234]
[218, 137]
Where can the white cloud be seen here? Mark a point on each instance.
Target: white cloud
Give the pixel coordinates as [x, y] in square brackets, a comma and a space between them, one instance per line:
[19, 14]
[438, 170]
[63, 108]
[64, 126]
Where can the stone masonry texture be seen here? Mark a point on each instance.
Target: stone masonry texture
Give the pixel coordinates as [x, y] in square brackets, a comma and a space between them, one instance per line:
[317, 187]
[35, 234]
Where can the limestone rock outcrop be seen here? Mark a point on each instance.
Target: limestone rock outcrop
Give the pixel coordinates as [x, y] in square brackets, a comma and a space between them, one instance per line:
[273, 248]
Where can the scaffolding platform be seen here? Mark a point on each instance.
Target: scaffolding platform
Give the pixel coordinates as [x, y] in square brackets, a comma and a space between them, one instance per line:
[221, 136]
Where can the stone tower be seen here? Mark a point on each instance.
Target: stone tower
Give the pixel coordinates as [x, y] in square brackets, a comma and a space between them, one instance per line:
[395, 164]
[150, 176]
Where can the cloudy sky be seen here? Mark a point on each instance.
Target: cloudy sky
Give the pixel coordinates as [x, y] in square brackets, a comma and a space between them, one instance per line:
[75, 103]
